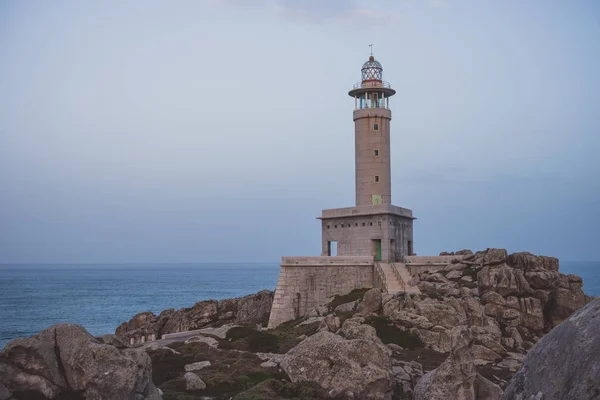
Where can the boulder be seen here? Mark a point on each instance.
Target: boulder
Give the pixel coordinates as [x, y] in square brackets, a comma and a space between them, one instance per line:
[113, 340]
[65, 359]
[564, 363]
[255, 308]
[530, 263]
[406, 375]
[362, 367]
[251, 309]
[199, 316]
[370, 303]
[330, 323]
[193, 382]
[212, 342]
[448, 313]
[486, 257]
[354, 328]
[197, 366]
[456, 377]
[345, 309]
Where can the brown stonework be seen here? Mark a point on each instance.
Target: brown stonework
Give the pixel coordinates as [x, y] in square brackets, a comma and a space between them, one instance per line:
[301, 288]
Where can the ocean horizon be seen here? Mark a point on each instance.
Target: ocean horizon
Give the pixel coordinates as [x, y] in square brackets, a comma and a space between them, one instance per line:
[102, 296]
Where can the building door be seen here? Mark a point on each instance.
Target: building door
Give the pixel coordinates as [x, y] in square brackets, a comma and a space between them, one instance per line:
[332, 248]
[378, 250]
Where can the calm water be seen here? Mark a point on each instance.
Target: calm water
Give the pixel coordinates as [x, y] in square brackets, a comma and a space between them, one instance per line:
[100, 297]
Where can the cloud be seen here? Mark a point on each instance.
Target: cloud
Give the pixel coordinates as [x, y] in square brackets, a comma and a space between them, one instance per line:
[319, 11]
[332, 11]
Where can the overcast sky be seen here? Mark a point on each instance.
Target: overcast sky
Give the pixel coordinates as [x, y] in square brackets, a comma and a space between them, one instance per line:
[188, 131]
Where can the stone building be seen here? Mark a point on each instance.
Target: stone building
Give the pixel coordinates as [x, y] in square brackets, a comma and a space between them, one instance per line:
[365, 245]
[374, 227]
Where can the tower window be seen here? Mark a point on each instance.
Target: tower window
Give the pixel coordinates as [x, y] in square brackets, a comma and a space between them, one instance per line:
[375, 127]
[376, 178]
[376, 153]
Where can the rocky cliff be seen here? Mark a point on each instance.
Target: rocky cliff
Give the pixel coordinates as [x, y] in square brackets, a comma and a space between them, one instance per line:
[66, 362]
[462, 338]
[251, 309]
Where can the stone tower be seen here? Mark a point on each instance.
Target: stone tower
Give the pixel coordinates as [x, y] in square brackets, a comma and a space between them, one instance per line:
[374, 227]
[360, 244]
[372, 118]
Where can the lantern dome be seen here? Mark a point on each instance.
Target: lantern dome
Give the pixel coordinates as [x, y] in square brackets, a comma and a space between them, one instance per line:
[372, 70]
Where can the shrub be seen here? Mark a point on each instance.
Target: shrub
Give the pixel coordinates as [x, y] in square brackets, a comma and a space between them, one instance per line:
[255, 341]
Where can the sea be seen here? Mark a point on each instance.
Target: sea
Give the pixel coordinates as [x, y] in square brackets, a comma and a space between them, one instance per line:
[100, 297]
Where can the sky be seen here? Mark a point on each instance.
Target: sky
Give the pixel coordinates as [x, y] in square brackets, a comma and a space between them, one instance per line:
[217, 130]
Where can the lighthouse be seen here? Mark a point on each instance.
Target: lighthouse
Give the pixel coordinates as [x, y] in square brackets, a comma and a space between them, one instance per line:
[372, 118]
[365, 245]
[373, 227]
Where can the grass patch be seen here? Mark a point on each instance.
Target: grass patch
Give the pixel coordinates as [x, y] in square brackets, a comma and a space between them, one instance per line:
[390, 333]
[249, 339]
[356, 294]
[272, 389]
[230, 373]
[278, 340]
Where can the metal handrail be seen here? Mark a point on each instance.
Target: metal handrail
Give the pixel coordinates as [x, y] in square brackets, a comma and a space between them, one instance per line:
[372, 84]
[398, 277]
[381, 276]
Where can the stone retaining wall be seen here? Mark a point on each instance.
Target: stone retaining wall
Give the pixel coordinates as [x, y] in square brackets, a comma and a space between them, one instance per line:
[304, 286]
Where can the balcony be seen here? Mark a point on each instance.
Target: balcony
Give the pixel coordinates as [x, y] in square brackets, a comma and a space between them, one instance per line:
[372, 84]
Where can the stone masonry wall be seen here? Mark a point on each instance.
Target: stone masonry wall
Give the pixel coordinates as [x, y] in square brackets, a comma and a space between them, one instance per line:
[301, 288]
[354, 235]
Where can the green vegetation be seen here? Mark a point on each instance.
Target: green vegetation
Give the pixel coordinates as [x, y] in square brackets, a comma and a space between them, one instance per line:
[231, 372]
[272, 389]
[390, 333]
[278, 340]
[249, 339]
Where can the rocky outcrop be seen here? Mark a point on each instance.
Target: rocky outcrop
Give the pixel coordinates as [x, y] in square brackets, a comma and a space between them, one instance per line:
[252, 309]
[564, 363]
[456, 378]
[510, 301]
[65, 360]
[371, 302]
[355, 367]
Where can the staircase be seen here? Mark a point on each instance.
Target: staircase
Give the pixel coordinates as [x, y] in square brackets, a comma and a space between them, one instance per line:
[397, 278]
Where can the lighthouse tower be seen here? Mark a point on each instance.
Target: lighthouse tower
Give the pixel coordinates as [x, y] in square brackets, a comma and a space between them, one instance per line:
[374, 227]
[365, 245]
[372, 118]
